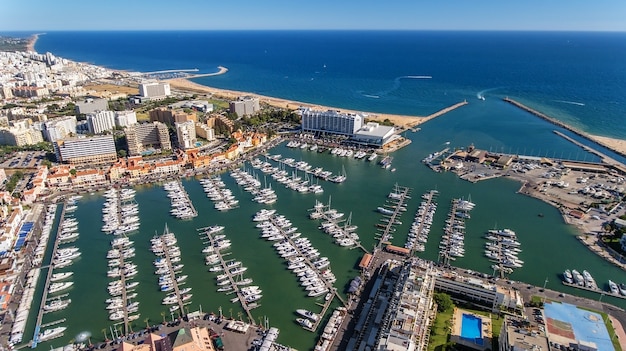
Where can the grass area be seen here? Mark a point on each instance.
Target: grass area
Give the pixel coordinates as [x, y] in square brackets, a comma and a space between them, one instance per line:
[609, 327]
[142, 117]
[440, 331]
[105, 89]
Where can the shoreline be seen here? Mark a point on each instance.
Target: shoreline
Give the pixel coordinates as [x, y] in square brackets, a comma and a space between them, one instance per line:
[403, 121]
[32, 41]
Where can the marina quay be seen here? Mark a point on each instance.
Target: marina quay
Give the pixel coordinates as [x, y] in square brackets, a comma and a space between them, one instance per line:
[177, 219]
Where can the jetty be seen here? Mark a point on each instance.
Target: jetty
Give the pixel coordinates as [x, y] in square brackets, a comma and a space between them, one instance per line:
[338, 228]
[437, 114]
[44, 295]
[391, 211]
[247, 307]
[558, 123]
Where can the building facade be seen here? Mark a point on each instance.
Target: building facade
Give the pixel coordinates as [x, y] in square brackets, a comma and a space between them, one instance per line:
[101, 121]
[125, 119]
[141, 137]
[91, 105]
[91, 151]
[59, 128]
[154, 90]
[331, 121]
[244, 106]
[205, 132]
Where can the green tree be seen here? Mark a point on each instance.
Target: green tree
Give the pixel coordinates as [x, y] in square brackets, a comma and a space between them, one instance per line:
[73, 172]
[444, 302]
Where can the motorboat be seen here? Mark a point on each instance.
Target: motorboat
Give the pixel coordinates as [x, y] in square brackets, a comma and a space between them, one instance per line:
[308, 314]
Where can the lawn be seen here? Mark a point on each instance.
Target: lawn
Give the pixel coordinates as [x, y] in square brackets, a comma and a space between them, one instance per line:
[440, 331]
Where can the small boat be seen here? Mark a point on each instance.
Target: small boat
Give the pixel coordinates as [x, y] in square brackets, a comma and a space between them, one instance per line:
[613, 287]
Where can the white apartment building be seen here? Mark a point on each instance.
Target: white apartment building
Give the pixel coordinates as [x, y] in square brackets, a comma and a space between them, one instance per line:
[125, 118]
[331, 121]
[154, 90]
[100, 121]
[59, 128]
[95, 150]
[244, 106]
[186, 133]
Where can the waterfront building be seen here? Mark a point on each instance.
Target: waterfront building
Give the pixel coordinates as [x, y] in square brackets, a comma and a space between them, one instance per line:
[89, 177]
[205, 132]
[184, 339]
[101, 121]
[373, 134]
[59, 128]
[59, 176]
[399, 310]
[125, 119]
[154, 90]
[479, 292]
[186, 134]
[143, 137]
[331, 121]
[244, 106]
[38, 184]
[89, 151]
[91, 105]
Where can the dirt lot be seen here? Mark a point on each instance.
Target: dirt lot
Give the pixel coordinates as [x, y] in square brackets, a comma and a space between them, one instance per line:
[105, 90]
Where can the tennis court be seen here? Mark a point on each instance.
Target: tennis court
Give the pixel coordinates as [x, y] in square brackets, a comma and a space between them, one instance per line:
[569, 321]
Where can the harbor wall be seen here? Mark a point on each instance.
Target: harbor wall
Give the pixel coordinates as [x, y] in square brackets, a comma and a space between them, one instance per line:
[560, 124]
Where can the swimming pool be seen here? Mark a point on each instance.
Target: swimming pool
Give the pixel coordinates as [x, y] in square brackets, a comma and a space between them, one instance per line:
[471, 328]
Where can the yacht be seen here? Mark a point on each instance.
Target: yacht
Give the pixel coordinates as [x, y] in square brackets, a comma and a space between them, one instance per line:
[60, 276]
[308, 314]
[56, 287]
[50, 334]
[567, 275]
[613, 287]
[56, 305]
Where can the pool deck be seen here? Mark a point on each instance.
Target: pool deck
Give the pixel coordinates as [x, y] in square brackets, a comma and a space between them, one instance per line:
[457, 318]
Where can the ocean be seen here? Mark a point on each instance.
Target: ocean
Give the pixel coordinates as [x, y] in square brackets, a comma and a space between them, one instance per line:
[575, 77]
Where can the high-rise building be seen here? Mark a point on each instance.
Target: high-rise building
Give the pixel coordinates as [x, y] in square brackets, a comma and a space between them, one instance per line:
[154, 90]
[141, 137]
[331, 121]
[245, 106]
[101, 121]
[186, 133]
[59, 128]
[205, 132]
[90, 151]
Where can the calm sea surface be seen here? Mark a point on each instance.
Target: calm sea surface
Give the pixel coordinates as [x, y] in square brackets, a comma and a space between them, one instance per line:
[576, 77]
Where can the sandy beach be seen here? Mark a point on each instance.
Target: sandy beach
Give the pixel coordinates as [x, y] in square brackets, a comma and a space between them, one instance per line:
[399, 120]
[31, 42]
[614, 144]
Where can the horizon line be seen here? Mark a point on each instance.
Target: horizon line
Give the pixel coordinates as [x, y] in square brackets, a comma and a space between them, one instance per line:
[43, 31]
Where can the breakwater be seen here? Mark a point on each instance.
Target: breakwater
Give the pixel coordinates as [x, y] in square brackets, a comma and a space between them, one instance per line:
[437, 114]
[561, 124]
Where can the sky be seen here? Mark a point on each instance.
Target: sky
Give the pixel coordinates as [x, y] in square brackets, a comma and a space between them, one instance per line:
[560, 15]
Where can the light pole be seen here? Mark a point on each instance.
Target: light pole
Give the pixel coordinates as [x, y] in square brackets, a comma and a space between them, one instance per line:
[545, 282]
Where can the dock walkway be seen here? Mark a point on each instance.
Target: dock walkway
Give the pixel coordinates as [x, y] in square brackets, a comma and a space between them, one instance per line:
[397, 206]
[44, 295]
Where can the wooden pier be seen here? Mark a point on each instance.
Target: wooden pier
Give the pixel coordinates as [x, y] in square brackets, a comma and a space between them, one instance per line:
[420, 228]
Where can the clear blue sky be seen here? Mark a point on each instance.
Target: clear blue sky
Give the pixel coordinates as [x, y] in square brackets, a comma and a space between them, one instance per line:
[579, 15]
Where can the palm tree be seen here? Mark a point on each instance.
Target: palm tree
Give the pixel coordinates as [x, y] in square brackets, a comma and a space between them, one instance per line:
[239, 314]
[104, 331]
[230, 310]
[146, 321]
[163, 315]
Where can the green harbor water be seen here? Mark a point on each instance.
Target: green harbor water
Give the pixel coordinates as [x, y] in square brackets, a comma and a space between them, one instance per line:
[549, 246]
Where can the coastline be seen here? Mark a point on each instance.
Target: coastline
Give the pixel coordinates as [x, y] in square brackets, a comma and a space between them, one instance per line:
[32, 41]
[403, 121]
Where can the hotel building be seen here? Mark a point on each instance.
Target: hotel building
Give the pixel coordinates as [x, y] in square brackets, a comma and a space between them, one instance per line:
[331, 121]
[59, 128]
[91, 151]
[154, 90]
[141, 137]
[244, 106]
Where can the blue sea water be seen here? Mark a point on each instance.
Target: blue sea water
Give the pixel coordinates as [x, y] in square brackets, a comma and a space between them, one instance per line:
[577, 77]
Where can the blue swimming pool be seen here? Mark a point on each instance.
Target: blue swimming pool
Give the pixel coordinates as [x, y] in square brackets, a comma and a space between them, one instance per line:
[471, 329]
